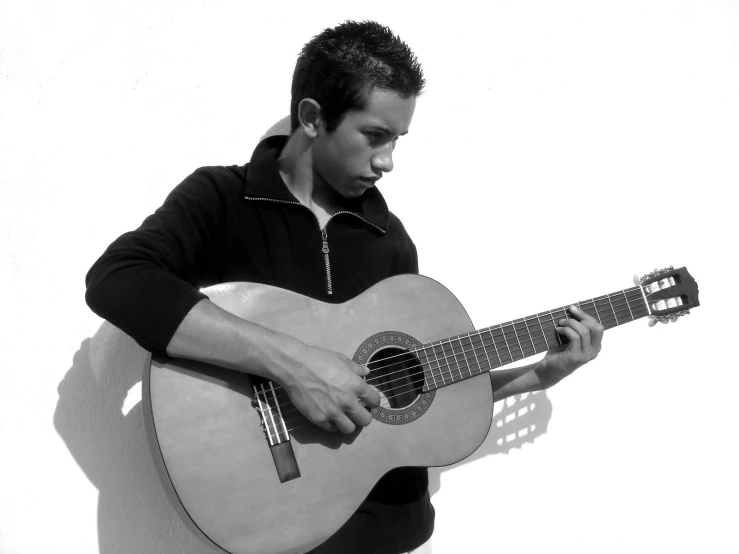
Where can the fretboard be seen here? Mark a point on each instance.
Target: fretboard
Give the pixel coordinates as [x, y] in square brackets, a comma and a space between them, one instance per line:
[451, 360]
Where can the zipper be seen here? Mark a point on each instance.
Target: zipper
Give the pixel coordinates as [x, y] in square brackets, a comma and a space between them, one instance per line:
[324, 249]
[324, 234]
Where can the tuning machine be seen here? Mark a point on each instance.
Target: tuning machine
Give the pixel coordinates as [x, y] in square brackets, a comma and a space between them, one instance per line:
[669, 293]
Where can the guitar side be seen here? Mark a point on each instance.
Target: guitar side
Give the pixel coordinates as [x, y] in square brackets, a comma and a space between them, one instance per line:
[213, 455]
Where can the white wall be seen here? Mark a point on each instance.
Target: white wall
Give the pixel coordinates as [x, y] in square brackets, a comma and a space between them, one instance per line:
[560, 148]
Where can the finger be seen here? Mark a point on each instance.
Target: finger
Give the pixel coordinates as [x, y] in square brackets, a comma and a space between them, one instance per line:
[344, 424]
[369, 396]
[359, 415]
[575, 342]
[581, 315]
[596, 335]
[587, 348]
[360, 370]
[593, 325]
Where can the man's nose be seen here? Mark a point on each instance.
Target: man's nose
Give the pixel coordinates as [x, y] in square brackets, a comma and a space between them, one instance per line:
[383, 160]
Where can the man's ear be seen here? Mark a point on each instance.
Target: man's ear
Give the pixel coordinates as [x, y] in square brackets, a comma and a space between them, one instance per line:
[309, 116]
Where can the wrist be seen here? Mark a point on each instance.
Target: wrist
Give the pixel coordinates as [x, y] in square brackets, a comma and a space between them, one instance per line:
[543, 374]
[274, 354]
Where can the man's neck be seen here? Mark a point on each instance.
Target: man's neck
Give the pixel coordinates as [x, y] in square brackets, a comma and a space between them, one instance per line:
[296, 170]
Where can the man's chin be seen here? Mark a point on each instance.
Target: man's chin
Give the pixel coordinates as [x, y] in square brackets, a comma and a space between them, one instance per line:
[355, 192]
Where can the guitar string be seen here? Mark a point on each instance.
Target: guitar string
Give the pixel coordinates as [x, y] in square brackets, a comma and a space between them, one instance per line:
[500, 327]
[442, 372]
[454, 365]
[308, 422]
[512, 353]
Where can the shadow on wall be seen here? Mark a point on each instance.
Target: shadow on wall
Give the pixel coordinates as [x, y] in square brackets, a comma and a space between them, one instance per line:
[107, 438]
[111, 447]
[521, 420]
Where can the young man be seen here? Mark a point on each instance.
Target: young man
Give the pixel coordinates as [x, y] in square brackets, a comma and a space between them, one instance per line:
[303, 215]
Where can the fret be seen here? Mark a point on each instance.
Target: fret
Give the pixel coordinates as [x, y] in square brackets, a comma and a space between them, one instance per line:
[608, 320]
[622, 308]
[438, 361]
[555, 334]
[543, 334]
[623, 300]
[459, 348]
[525, 335]
[500, 347]
[639, 302]
[535, 334]
[480, 367]
[510, 329]
[518, 340]
[492, 340]
[450, 358]
[508, 346]
[582, 307]
[464, 350]
[427, 365]
[433, 377]
[627, 304]
[564, 315]
[614, 311]
[597, 314]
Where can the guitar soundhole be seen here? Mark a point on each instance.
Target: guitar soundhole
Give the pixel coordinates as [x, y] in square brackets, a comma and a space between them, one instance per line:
[397, 375]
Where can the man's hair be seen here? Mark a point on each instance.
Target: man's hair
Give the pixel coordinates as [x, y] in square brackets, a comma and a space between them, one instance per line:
[340, 67]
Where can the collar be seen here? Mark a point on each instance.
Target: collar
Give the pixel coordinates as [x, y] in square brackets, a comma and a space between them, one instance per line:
[263, 180]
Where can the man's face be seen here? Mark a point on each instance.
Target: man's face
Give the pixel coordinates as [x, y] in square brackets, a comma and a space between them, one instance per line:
[356, 154]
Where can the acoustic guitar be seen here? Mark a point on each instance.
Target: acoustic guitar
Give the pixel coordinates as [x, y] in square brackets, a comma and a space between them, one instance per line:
[251, 475]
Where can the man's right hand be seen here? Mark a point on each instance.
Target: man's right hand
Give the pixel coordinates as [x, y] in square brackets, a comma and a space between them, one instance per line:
[326, 386]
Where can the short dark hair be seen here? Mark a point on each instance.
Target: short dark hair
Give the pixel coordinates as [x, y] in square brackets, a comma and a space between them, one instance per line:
[340, 67]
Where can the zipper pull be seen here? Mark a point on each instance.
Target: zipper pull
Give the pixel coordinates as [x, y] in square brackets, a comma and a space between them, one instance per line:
[324, 236]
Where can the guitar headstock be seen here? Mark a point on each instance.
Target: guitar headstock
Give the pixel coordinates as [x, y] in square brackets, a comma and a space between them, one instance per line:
[670, 293]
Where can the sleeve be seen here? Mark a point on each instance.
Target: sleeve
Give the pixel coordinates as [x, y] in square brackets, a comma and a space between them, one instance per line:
[145, 283]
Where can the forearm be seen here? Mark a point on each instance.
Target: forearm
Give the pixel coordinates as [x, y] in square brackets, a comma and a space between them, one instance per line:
[212, 335]
[518, 380]
[323, 385]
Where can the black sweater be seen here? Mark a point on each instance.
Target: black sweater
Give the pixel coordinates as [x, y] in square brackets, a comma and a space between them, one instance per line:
[224, 224]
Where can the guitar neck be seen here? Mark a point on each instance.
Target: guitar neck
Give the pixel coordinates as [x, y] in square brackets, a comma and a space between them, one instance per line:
[456, 358]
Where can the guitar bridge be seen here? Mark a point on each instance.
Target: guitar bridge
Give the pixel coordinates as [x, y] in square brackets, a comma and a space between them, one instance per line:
[285, 462]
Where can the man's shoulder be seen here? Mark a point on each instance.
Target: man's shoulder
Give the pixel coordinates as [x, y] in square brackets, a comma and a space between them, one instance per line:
[395, 225]
[223, 174]
[213, 182]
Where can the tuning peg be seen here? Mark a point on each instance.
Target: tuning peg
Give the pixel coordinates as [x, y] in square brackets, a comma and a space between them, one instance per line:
[654, 319]
[655, 273]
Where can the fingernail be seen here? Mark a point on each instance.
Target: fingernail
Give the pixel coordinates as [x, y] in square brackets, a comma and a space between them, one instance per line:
[561, 321]
[573, 308]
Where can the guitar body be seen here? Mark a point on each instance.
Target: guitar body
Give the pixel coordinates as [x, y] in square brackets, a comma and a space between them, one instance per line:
[214, 456]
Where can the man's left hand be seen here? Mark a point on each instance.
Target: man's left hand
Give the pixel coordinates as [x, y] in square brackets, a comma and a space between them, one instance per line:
[584, 333]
